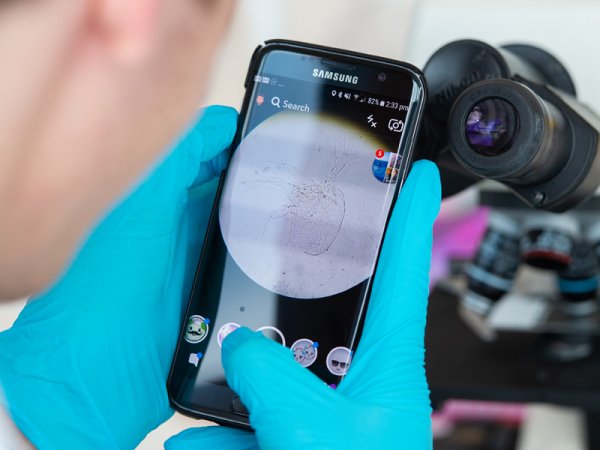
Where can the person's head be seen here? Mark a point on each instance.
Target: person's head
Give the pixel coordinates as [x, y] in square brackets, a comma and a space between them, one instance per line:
[91, 92]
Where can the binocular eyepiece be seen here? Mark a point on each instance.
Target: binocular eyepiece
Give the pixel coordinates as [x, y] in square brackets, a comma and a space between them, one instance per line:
[510, 115]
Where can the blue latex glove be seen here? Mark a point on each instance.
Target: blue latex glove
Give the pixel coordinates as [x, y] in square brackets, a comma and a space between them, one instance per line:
[86, 364]
[383, 402]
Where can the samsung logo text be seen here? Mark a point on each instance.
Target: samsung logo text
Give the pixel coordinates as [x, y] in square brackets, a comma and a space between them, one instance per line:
[335, 76]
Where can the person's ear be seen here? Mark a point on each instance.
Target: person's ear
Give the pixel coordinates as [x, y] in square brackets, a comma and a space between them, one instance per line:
[128, 27]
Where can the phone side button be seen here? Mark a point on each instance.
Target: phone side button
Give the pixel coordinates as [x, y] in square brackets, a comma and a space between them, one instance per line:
[238, 407]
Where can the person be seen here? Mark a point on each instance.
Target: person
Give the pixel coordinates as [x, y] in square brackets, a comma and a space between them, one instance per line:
[93, 91]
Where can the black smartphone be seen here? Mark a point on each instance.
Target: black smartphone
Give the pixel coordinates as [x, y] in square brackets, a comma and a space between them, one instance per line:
[325, 141]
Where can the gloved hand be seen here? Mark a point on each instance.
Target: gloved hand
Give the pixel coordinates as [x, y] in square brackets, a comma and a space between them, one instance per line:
[85, 365]
[383, 402]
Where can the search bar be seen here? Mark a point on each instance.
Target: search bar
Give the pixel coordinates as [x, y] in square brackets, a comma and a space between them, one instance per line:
[278, 103]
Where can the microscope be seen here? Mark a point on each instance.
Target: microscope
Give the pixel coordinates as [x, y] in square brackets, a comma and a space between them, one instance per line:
[508, 120]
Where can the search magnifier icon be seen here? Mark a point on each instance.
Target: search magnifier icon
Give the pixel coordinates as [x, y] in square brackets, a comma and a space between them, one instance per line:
[276, 101]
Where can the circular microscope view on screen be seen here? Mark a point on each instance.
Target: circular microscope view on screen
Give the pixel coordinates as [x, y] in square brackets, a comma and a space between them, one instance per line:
[301, 212]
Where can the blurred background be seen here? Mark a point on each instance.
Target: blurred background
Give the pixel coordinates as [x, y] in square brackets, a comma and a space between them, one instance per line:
[529, 408]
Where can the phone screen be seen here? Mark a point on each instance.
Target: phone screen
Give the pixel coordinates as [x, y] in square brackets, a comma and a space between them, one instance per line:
[300, 218]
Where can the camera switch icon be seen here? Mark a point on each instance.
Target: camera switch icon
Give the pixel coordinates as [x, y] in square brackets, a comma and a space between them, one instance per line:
[396, 125]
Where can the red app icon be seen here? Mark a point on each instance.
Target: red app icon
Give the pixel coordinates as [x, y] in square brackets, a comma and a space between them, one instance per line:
[380, 153]
[260, 100]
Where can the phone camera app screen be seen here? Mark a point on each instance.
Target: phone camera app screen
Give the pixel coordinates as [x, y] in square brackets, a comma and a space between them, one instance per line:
[301, 215]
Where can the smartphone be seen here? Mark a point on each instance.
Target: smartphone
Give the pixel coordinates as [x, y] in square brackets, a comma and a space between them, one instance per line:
[324, 144]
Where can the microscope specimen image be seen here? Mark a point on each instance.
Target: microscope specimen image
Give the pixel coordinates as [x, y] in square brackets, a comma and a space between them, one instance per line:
[301, 213]
[315, 207]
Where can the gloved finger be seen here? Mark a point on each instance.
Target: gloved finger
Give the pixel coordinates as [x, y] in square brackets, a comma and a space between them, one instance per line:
[205, 142]
[401, 285]
[211, 169]
[273, 386]
[390, 354]
[212, 438]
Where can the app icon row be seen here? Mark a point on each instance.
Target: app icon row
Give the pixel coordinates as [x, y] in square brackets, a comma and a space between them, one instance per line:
[305, 351]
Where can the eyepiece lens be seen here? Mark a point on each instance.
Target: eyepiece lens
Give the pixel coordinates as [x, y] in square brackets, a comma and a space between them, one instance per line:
[492, 126]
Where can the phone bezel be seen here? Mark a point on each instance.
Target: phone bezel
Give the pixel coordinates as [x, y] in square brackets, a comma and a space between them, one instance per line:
[224, 414]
